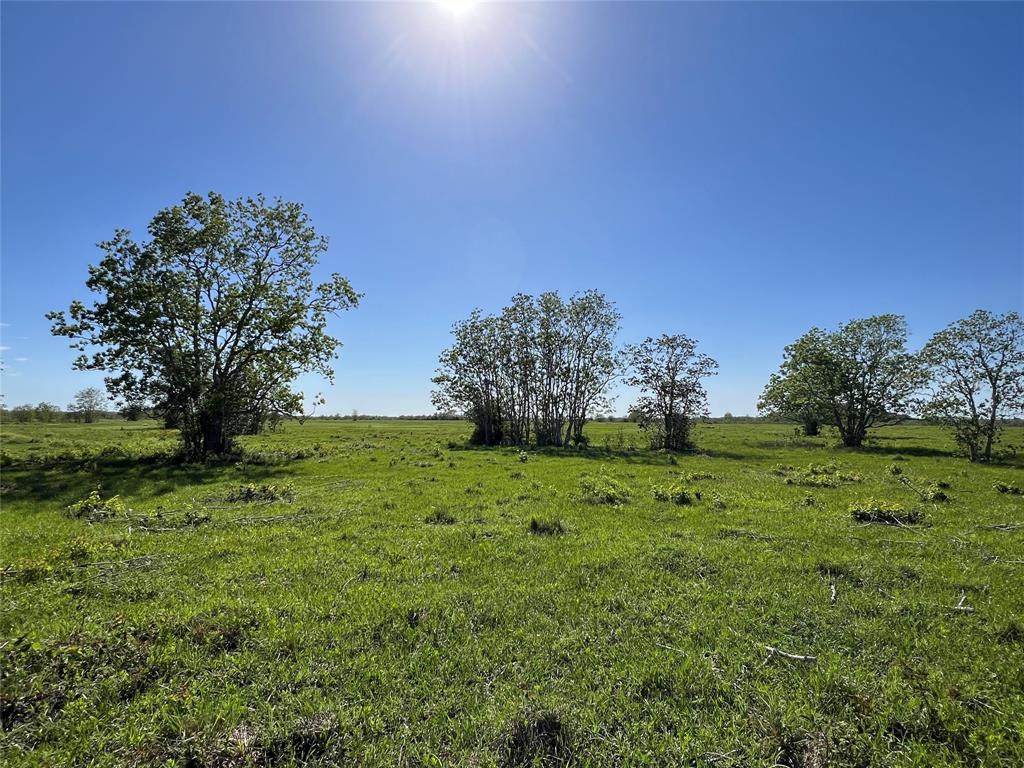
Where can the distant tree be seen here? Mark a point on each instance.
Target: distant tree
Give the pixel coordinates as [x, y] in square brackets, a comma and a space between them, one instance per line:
[669, 372]
[133, 412]
[88, 405]
[977, 373]
[214, 318]
[47, 412]
[23, 413]
[854, 378]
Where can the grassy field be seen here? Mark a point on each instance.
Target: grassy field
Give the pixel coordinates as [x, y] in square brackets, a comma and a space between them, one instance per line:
[374, 593]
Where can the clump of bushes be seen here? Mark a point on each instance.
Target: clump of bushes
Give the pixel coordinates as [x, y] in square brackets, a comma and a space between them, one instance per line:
[934, 492]
[94, 507]
[524, 457]
[886, 512]
[675, 493]
[266, 493]
[541, 527]
[693, 476]
[602, 488]
[1009, 488]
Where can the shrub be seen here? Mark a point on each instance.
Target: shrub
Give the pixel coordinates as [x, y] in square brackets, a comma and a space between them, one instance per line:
[524, 457]
[895, 469]
[880, 511]
[94, 507]
[602, 488]
[934, 492]
[692, 476]
[1009, 488]
[675, 493]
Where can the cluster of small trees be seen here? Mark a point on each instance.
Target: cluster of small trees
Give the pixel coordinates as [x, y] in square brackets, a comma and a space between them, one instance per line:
[88, 406]
[969, 376]
[538, 370]
[211, 320]
[533, 372]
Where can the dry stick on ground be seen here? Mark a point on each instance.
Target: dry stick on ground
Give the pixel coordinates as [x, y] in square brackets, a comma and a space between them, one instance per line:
[773, 651]
[832, 597]
[960, 606]
[1006, 527]
[670, 648]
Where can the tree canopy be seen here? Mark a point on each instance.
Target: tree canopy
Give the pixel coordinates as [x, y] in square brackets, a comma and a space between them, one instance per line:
[213, 317]
[88, 404]
[977, 373]
[855, 377]
[669, 372]
[533, 373]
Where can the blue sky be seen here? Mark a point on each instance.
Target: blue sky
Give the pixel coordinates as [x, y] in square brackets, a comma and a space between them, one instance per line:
[735, 172]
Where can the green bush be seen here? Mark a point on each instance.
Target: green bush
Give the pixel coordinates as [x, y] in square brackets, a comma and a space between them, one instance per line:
[94, 507]
[676, 493]
[602, 488]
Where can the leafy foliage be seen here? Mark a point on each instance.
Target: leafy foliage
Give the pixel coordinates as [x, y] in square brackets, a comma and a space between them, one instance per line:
[603, 488]
[668, 370]
[535, 372]
[856, 377]
[977, 370]
[675, 493]
[213, 318]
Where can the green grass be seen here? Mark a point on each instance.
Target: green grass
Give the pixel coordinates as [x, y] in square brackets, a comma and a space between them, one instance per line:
[372, 593]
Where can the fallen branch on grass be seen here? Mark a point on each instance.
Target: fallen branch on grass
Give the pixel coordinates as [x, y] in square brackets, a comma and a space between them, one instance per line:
[773, 651]
[1006, 527]
[961, 607]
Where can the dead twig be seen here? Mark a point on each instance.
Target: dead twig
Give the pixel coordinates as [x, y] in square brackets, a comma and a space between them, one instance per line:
[832, 597]
[773, 651]
[960, 606]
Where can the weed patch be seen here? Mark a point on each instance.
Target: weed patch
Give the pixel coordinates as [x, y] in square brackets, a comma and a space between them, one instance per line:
[602, 488]
[544, 527]
[264, 493]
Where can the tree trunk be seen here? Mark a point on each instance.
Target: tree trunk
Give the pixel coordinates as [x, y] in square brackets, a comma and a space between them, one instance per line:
[215, 439]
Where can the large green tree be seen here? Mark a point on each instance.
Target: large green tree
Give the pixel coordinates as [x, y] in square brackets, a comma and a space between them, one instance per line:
[856, 377]
[213, 317]
[977, 370]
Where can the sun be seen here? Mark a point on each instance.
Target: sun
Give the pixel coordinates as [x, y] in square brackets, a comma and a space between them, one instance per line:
[459, 9]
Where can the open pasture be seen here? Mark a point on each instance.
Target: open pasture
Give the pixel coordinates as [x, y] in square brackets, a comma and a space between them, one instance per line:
[375, 593]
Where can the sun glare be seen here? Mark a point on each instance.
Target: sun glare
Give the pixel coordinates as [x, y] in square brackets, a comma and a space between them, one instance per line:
[459, 9]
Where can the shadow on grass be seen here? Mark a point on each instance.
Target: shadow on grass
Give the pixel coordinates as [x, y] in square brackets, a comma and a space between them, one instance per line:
[636, 456]
[63, 484]
[902, 450]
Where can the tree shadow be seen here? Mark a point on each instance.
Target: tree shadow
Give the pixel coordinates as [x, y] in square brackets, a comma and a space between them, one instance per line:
[133, 478]
[901, 450]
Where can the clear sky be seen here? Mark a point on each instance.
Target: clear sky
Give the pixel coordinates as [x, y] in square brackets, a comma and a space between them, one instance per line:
[735, 172]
